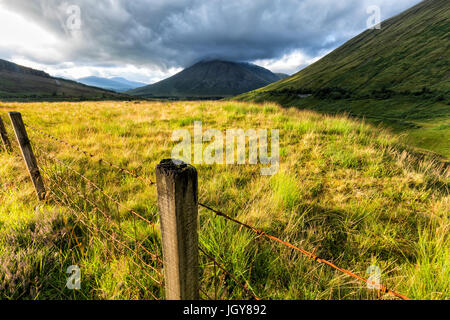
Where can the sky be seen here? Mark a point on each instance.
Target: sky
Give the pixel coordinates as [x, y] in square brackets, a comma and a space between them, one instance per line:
[149, 40]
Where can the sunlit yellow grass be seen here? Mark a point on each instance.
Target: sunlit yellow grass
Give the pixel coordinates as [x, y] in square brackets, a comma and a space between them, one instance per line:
[346, 189]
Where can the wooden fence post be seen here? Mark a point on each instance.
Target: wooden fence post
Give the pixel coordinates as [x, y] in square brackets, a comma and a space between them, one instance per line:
[4, 137]
[27, 153]
[177, 187]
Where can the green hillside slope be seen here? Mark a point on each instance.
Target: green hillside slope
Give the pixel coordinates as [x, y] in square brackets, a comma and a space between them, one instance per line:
[398, 75]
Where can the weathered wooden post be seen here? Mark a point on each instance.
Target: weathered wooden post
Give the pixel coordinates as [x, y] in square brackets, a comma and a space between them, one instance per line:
[4, 137]
[27, 153]
[177, 185]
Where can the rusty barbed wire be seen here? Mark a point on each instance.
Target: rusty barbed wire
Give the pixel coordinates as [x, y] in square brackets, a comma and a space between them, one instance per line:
[310, 255]
[155, 256]
[92, 156]
[92, 183]
[109, 236]
[130, 274]
[206, 294]
[108, 217]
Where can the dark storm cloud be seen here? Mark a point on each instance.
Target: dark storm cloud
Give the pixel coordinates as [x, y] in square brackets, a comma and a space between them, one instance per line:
[173, 33]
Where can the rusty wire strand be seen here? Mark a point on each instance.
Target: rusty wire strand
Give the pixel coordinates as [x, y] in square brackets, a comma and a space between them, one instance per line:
[92, 156]
[204, 292]
[101, 190]
[109, 236]
[108, 217]
[310, 255]
[122, 243]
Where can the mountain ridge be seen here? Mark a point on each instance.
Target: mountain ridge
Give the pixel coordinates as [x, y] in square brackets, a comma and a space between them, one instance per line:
[118, 84]
[210, 79]
[19, 82]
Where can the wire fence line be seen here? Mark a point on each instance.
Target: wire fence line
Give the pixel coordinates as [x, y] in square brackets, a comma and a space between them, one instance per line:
[114, 233]
[93, 184]
[113, 236]
[155, 256]
[102, 192]
[310, 255]
[92, 156]
[63, 198]
[65, 203]
[67, 195]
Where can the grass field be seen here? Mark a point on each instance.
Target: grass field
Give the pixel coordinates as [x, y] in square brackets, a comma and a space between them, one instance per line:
[422, 122]
[348, 190]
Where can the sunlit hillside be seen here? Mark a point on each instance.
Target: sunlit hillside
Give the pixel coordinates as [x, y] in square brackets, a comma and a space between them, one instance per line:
[396, 75]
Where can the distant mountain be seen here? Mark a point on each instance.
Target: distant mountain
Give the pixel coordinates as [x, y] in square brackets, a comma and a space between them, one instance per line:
[282, 75]
[131, 84]
[210, 79]
[25, 83]
[117, 84]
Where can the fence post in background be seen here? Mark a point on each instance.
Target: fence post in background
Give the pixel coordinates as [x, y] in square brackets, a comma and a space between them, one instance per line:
[27, 153]
[177, 187]
[4, 137]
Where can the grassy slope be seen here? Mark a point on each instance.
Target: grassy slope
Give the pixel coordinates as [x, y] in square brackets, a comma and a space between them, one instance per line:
[408, 53]
[344, 187]
[422, 123]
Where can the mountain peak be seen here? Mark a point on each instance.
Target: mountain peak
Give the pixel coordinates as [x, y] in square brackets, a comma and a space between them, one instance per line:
[210, 78]
[118, 84]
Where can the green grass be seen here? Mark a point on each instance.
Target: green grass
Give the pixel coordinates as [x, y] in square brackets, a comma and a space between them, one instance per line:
[349, 190]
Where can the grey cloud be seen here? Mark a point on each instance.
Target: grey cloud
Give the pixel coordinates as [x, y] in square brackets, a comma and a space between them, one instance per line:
[174, 33]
